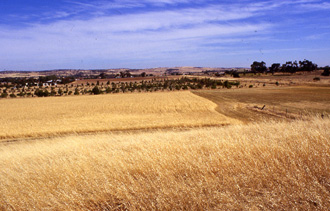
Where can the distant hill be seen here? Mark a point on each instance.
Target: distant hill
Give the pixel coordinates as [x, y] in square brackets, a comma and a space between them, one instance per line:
[96, 72]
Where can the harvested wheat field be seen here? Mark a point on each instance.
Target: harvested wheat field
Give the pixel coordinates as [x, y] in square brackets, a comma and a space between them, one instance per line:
[279, 102]
[260, 166]
[43, 117]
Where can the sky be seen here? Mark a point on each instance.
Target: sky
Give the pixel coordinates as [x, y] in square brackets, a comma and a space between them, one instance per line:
[102, 34]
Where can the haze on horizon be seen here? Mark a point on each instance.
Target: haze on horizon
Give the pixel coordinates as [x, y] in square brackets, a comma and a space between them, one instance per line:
[81, 34]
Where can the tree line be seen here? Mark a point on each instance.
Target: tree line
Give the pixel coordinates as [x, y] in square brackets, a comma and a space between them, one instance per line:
[288, 67]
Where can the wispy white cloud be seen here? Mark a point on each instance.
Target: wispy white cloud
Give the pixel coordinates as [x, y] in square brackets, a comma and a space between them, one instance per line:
[134, 32]
[118, 4]
[140, 36]
[316, 6]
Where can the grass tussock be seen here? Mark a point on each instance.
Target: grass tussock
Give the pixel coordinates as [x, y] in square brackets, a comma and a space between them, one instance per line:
[274, 165]
[44, 117]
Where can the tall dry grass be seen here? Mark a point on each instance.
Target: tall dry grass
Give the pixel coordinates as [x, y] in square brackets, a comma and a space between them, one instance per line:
[43, 117]
[270, 165]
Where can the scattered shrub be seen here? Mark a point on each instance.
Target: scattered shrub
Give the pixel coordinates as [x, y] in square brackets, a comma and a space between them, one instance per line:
[108, 90]
[76, 91]
[4, 95]
[60, 91]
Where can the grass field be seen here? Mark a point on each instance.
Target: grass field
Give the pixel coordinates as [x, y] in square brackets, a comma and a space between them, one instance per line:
[43, 117]
[125, 152]
[262, 166]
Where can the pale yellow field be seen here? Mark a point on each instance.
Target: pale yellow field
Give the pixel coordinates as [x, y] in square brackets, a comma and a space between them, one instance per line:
[42, 117]
[262, 166]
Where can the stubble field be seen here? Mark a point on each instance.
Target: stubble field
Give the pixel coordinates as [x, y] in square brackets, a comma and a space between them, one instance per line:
[289, 102]
[99, 152]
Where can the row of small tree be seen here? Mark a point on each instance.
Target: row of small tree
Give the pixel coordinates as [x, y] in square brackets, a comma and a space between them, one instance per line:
[143, 86]
[161, 85]
[288, 67]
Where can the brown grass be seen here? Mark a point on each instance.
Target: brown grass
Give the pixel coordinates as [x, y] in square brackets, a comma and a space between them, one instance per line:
[43, 117]
[262, 166]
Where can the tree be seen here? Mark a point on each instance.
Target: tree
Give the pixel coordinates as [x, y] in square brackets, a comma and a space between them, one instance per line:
[46, 93]
[227, 84]
[76, 91]
[96, 90]
[125, 74]
[275, 68]
[128, 74]
[52, 93]
[38, 92]
[102, 76]
[235, 74]
[290, 67]
[108, 89]
[258, 67]
[21, 94]
[60, 91]
[4, 95]
[307, 66]
[69, 79]
[326, 71]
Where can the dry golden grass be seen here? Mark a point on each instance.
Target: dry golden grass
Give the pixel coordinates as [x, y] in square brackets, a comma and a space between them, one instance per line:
[276, 165]
[42, 117]
[261, 166]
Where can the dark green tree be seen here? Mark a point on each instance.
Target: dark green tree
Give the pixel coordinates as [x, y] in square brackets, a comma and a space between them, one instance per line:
[326, 71]
[102, 76]
[258, 67]
[60, 91]
[96, 90]
[307, 65]
[108, 89]
[275, 68]
[4, 95]
[76, 91]
[290, 67]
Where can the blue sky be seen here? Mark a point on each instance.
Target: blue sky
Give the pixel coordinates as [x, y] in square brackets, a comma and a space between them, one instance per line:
[81, 34]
